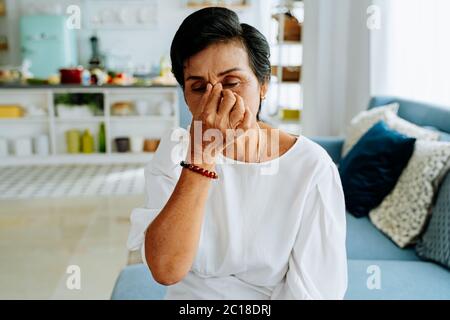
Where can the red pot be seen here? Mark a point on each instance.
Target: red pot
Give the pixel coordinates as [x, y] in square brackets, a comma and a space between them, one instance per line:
[71, 75]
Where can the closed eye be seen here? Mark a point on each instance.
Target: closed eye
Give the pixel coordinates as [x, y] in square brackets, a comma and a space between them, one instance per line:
[225, 85]
[199, 89]
[230, 85]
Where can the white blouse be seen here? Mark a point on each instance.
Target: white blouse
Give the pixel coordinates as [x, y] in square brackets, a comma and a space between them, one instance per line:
[271, 230]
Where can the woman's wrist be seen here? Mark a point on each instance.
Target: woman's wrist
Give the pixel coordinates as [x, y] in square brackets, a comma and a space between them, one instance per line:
[207, 164]
[202, 170]
[201, 159]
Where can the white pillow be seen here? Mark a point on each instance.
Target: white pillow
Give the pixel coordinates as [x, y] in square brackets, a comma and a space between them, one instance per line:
[366, 119]
[404, 212]
[411, 129]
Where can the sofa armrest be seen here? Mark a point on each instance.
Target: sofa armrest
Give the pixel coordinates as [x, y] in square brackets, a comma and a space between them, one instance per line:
[333, 145]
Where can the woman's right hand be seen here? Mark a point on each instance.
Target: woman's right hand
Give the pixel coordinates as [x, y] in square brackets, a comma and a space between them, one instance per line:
[221, 112]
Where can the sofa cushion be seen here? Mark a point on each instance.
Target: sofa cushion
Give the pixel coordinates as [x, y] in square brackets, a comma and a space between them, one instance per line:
[435, 242]
[443, 136]
[403, 280]
[404, 212]
[421, 113]
[364, 241]
[363, 121]
[430, 281]
[135, 282]
[372, 167]
[332, 145]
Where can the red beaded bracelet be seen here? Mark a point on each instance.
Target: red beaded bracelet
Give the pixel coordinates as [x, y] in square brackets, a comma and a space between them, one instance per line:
[197, 169]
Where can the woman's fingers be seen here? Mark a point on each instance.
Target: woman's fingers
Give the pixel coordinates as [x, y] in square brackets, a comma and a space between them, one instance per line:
[247, 120]
[210, 109]
[223, 113]
[203, 100]
[237, 113]
[227, 103]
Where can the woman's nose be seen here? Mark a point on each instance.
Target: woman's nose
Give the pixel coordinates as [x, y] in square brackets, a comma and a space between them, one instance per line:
[214, 83]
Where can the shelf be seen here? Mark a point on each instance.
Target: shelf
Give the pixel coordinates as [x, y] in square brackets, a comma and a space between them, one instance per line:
[141, 118]
[23, 120]
[55, 126]
[94, 158]
[287, 43]
[290, 82]
[277, 121]
[287, 83]
[86, 119]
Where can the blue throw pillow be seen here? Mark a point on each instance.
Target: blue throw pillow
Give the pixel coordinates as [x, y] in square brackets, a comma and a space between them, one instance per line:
[372, 167]
[435, 242]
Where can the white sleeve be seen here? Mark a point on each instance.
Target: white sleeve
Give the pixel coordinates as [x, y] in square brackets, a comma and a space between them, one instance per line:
[161, 176]
[318, 262]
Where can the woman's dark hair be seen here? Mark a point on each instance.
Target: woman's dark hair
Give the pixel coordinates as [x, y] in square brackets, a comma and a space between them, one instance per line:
[212, 25]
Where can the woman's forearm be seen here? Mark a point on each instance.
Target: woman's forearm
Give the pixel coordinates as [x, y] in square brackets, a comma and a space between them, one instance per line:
[172, 239]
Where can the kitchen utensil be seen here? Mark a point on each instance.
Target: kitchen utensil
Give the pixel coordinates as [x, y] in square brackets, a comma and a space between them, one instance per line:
[71, 75]
[122, 144]
[96, 60]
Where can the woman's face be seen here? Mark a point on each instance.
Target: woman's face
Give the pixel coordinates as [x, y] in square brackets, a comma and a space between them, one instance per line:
[227, 63]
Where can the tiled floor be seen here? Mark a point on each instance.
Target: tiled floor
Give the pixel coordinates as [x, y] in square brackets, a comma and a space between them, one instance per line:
[30, 182]
[40, 238]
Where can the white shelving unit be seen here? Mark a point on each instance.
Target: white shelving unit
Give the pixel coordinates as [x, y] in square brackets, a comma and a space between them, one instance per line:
[151, 125]
[285, 54]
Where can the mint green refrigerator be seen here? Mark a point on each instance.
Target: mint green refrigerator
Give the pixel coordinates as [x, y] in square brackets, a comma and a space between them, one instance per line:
[48, 43]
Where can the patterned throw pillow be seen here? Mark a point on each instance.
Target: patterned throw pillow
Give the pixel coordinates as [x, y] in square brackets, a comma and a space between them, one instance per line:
[403, 213]
[435, 242]
[366, 119]
[410, 129]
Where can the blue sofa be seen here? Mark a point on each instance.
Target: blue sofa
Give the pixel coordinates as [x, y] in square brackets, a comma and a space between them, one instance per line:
[401, 273]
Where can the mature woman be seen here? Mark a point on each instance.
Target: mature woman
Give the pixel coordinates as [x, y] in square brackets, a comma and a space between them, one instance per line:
[237, 209]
